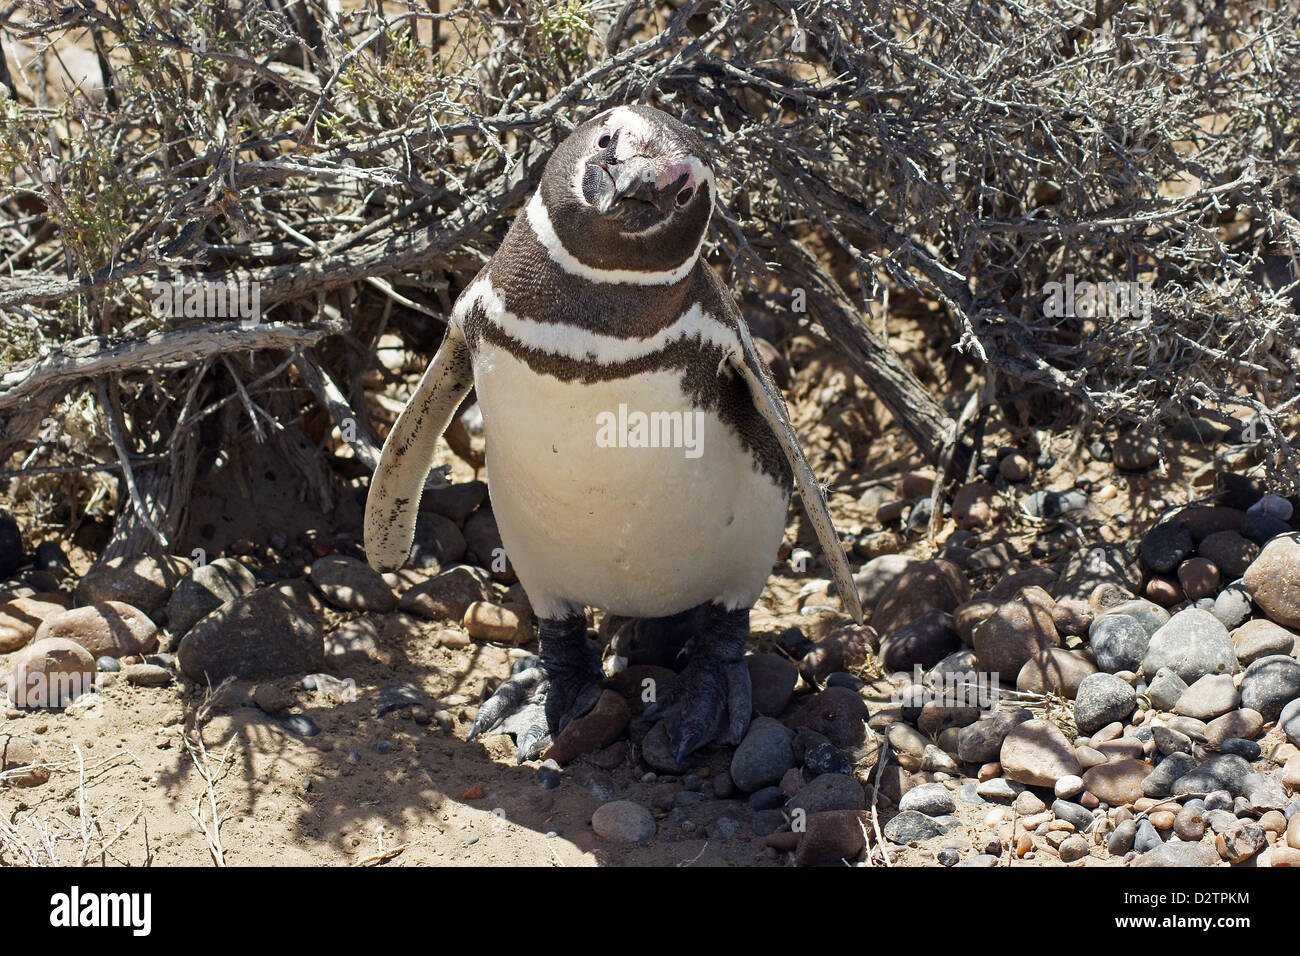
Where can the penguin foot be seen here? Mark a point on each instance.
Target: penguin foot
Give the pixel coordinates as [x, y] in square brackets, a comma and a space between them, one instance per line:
[540, 700]
[710, 700]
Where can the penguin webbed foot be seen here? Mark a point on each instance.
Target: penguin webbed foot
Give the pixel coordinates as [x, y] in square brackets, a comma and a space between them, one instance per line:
[710, 701]
[541, 699]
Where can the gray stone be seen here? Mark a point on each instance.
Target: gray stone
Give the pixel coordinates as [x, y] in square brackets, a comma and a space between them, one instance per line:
[763, 756]
[205, 589]
[981, 742]
[932, 799]
[1232, 606]
[1150, 615]
[1101, 699]
[1080, 817]
[1160, 782]
[912, 827]
[1180, 854]
[1225, 772]
[1166, 546]
[1264, 792]
[1289, 721]
[1121, 838]
[1165, 689]
[623, 821]
[1209, 697]
[1269, 684]
[258, 635]
[999, 790]
[829, 791]
[1193, 643]
[352, 585]
[1147, 838]
[1119, 642]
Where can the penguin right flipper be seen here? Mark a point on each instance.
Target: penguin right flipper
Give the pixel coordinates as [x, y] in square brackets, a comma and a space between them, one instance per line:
[394, 499]
[750, 366]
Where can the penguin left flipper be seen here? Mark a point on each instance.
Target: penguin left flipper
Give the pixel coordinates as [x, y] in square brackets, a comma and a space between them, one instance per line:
[393, 502]
[771, 406]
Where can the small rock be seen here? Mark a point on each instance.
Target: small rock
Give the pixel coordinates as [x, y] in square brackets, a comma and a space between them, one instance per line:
[1165, 689]
[1074, 848]
[1199, 578]
[1210, 696]
[830, 838]
[1135, 451]
[1017, 631]
[1036, 753]
[1273, 580]
[260, 635]
[830, 791]
[1166, 546]
[772, 680]
[1269, 684]
[1230, 552]
[1193, 643]
[1118, 783]
[1101, 699]
[143, 581]
[52, 672]
[1225, 772]
[924, 641]
[596, 729]
[763, 756]
[352, 585]
[107, 628]
[447, 595]
[912, 827]
[495, 624]
[622, 821]
[205, 589]
[147, 675]
[1261, 638]
[932, 799]
[1179, 855]
[1245, 723]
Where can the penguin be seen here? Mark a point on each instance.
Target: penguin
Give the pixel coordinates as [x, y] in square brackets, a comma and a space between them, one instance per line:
[640, 459]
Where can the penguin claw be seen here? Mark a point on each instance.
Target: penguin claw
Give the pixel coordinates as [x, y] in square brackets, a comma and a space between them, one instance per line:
[535, 704]
[710, 702]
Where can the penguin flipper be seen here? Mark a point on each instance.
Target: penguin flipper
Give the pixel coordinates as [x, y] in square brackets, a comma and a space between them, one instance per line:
[771, 405]
[394, 498]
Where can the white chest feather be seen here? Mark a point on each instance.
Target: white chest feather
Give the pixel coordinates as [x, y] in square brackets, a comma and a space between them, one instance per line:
[622, 495]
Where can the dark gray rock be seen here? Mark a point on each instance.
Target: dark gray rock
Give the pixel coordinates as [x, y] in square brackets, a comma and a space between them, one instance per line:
[259, 635]
[1102, 698]
[205, 589]
[763, 756]
[1160, 782]
[912, 827]
[1225, 772]
[1119, 642]
[1270, 684]
[1166, 546]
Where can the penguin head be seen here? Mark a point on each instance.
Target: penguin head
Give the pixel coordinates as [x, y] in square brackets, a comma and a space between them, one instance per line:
[631, 185]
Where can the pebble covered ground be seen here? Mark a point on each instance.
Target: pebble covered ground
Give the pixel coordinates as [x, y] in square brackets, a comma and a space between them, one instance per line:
[1146, 709]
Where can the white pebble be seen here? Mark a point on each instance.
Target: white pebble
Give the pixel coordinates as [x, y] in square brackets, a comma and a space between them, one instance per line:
[1071, 785]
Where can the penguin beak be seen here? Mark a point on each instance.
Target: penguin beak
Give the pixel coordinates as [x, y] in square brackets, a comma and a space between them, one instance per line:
[653, 181]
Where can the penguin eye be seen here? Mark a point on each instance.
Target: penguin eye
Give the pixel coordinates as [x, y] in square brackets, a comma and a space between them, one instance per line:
[603, 141]
[684, 196]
